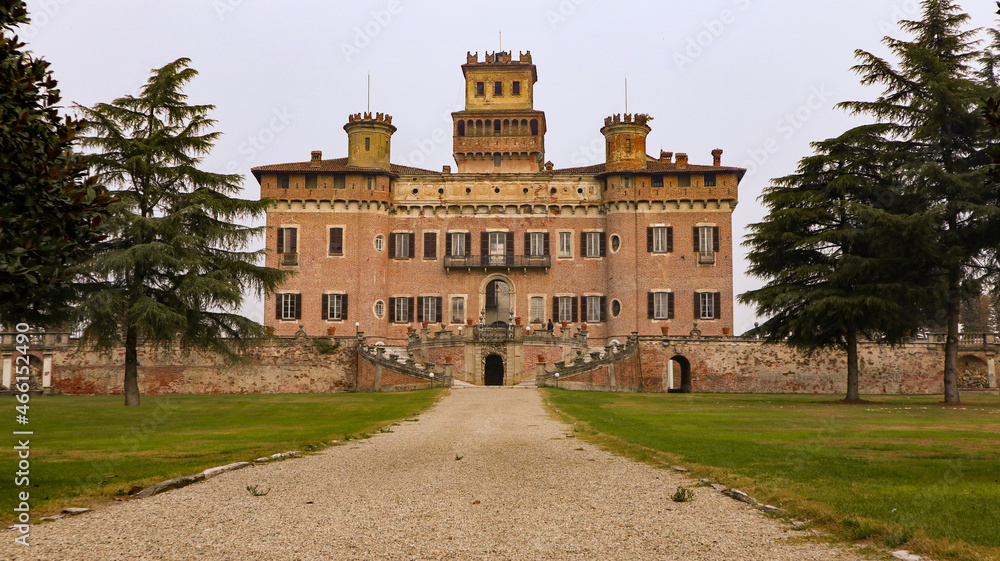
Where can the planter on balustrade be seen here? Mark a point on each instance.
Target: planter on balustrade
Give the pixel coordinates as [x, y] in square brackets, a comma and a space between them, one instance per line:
[665, 329]
[331, 331]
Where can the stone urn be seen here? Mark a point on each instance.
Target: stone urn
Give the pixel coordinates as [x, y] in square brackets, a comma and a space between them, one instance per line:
[331, 331]
[665, 329]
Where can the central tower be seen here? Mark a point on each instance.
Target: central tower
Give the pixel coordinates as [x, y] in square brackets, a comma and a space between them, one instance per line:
[499, 131]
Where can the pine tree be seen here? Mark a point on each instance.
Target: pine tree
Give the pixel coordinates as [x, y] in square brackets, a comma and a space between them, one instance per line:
[934, 126]
[832, 248]
[50, 211]
[175, 267]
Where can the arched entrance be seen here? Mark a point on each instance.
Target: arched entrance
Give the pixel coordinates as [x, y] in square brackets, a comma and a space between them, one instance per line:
[497, 299]
[493, 371]
[972, 373]
[681, 383]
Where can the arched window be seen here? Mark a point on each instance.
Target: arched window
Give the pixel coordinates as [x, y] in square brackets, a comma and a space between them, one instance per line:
[534, 127]
[461, 128]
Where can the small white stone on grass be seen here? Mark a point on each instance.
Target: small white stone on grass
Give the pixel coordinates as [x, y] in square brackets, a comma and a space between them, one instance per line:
[904, 555]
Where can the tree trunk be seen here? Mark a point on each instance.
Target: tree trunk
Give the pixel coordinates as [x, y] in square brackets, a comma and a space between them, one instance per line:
[852, 364]
[954, 304]
[131, 368]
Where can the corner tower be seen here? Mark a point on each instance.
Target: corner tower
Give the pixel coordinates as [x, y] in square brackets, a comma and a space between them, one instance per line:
[499, 131]
[368, 140]
[626, 141]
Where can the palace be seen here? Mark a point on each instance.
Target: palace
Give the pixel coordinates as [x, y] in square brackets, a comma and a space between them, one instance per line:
[635, 244]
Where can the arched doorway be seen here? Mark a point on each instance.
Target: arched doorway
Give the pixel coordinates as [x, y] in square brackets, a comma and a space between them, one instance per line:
[681, 383]
[497, 302]
[493, 371]
[972, 373]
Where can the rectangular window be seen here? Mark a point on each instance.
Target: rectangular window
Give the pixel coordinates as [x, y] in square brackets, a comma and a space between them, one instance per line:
[497, 88]
[401, 312]
[288, 240]
[498, 248]
[537, 245]
[458, 309]
[593, 244]
[661, 305]
[430, 245]
[480, 88]
[457, 244]
[368, 144]
[401, 245]
[627, 182]
[311, 181]
[706, 237]
[536, 311]
[707, 305]
[289, 306]
[683, 180]
[496, 160]
[565, 310]
[371, 182]
[628, 144]
[334, 307]
[282, 181]
[336, 241]
[593, 309]
[657, 181]
[709, 180]
[515, 88]
[565, 244]
[428, 309]
[339, 182]
[660, 239]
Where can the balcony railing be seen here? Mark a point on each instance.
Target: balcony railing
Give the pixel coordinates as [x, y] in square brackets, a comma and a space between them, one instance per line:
[289, 259]
[498, 261]
[706, 258]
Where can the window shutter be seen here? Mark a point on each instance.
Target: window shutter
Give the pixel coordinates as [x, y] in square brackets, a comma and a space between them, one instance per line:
[420, 308]
[298, 306]
[411, 251]
[392, 310]
[545, 244]
[717, 308]
[555, 309]
[440, 318]
[573, 314]
[281, 240]
[527, 243]
[409, 309]
[604, 244]
[697, 306]
[583, 244]
[484, 244]
[277, 309]
[447, 244]
[392, 246]
[430, 245]
[649, 239]
[715, 238]
[468, 244]
[650, 306]
[670, 305]
[510, 247]
[326, 306]
[670, 239]
[697, 246]
[604, 309]
[343, 306]
[336, 241]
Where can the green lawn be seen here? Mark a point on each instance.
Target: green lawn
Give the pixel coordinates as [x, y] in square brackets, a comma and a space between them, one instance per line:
[86, 449]
[901, 470]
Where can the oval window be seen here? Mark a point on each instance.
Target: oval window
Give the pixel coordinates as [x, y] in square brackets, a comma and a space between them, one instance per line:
[616, 308]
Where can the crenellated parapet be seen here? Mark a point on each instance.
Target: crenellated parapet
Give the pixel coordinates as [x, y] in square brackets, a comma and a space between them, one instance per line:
[627, 118]
[498, 57]
[367, 116]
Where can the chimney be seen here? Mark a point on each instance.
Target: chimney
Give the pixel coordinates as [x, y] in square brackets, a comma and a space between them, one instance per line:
[317, 157]
[717, 157]
[666, 156]
[549, 165]
[682, 160]
[445, 169]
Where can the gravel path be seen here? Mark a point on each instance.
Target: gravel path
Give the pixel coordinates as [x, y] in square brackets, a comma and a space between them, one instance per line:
[522, 490]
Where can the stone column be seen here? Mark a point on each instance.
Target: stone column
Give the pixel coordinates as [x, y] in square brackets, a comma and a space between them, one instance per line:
[47, 371]
[539, 372]
[449, 373]
[377, 383]
[611, 376]
[670, 375]
[7, 358]
[991, 372]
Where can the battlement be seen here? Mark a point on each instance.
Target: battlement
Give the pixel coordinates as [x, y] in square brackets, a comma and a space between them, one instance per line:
[379, 117]
[628, 119]
[499, 57]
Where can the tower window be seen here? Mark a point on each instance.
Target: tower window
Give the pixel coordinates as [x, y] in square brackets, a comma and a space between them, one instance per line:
[310, 182]
[683, 180]
[480, 88]
[282, 181]
[628, 144]
[515, 88]
[497, 88]
[657, 181]
[709, 180]
[496, 126]
[370, 181]
[368, 144]
[496, 160]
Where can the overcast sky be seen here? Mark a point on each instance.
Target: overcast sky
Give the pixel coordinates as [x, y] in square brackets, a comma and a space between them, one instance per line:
[757, 79]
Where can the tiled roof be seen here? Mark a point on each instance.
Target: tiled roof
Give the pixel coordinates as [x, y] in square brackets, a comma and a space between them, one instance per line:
[335, 165]
[656, 166]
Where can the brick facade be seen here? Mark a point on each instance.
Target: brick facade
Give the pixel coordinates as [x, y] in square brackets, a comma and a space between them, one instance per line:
[381, 235]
